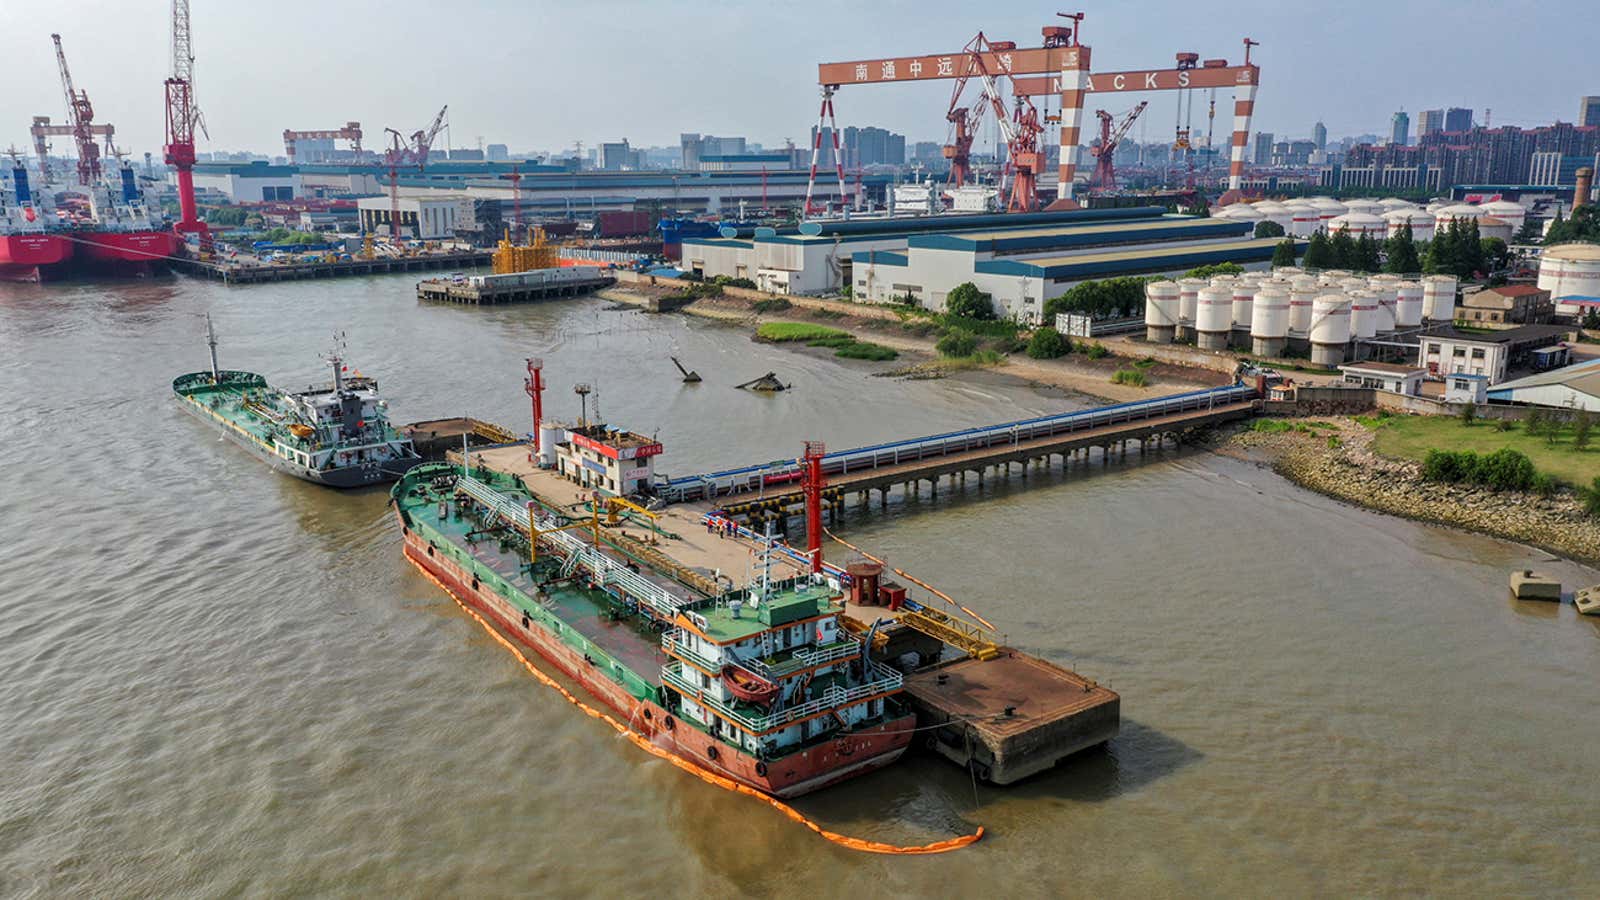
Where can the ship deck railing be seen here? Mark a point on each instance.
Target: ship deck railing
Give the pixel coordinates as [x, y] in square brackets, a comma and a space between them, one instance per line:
[885, 680]
[802, 658]
[607, 571]
[842, 462]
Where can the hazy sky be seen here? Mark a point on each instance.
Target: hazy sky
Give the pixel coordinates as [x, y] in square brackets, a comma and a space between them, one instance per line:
[543, 75]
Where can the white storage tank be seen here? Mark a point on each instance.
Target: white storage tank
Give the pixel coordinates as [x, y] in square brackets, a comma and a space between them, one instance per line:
[1570, 270]
[1363, 314]
[1213, 323]
[1393, 203]
[1243, 212]
[1370, 207]
[1244, 296]
[1328, 208]
[1276, 212]
[1290, 272]
[1161, 311]
[1387, 294]
[1358, 224]
[1408, 305]
[1439, 298]
[1304, 219]
[1512, 214]
[1304, 282]
[1463, 211]
[1330, 329]
[1188, 304]
[1495, 227]
[1300, 301]
[1421, 222]
[1435, 205]
[1269, 321]
[549, 436]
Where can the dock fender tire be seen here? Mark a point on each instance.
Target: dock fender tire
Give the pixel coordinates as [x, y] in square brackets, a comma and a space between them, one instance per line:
[669, 723]
[712, 752]
[761, 768]
[931, 741]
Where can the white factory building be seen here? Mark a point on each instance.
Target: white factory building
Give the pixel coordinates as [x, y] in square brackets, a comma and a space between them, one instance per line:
[1575, 387]
[423, 218]
[255, 182]
[1019, 260]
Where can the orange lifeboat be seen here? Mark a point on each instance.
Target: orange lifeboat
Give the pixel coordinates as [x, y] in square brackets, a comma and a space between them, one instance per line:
[748, 687]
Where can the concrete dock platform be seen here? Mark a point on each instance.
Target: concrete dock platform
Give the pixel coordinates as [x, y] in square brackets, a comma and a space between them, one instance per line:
[1008, 718]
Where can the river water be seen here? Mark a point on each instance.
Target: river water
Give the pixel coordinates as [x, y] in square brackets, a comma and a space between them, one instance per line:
[220, 680]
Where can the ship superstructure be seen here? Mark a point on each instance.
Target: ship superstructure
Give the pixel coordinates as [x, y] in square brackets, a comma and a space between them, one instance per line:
[33, 244]
[120, 235]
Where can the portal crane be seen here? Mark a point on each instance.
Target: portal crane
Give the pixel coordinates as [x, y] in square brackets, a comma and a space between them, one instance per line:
[1021, 128]
[1105, 173]
[405, 151]
[80, 113]
[41, 129]
[183, 117]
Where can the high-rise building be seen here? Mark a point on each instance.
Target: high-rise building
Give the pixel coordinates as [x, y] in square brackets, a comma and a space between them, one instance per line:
[1589, 111]
[689, 144]
[1430, 121]
[617, 155]
[1263, 154]
[872, 146]
[1400, 129]
[498, 152]
[1319, 136]
[1457, 119]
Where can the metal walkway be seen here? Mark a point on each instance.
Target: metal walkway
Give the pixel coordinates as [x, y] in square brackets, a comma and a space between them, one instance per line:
[785, 474]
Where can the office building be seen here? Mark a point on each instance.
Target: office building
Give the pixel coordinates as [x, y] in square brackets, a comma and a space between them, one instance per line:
[1589, 111]
[498, 152]
[1400, 129]
[1430, 121]
[1319, 136]
[1263, 155]
[1458, 119]
[616, 156]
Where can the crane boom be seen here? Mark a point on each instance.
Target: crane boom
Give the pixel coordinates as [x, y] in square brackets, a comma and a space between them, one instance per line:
[80, 113]
[182, 118]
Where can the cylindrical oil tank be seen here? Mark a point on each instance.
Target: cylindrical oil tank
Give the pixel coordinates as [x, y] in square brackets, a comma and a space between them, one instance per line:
[1243, 212]
[1289, 271]
[1393, 203]
[1269, 321]
[1244, 295]
[1439, 298]
[1513, 214]
[1420, 220]
[1495, 227]
[1408, 305]
[1370, 207]
[1300, 301]
[1387, 294]
[1363, 314]
[1304, 282]
[1358, 224]
[1352, 284]
[1276, 212]
[549, 436]
[1188, 304]
[1463, 211]
[1330, 329]
[1213, 322]
[1328, 208]
[1570, 270]
[1304, 219]
[1161, 311]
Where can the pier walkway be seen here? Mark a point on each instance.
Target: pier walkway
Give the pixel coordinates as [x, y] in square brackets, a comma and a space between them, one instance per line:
[776, 485]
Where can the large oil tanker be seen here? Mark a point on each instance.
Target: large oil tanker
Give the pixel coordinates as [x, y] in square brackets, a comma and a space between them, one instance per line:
[761, 685]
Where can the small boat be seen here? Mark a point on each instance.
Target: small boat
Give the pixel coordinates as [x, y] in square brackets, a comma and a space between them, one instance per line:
[748, 687]
[1588, 600]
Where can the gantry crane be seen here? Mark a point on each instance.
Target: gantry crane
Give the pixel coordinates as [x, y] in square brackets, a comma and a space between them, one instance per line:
[41, 129]
[183, 117]
[405, 151]
[1021, 127]
[350, 132]
[80, 115]
[1105, 172]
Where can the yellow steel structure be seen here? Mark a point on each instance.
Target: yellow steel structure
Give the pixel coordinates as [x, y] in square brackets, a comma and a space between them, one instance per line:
[538, 253]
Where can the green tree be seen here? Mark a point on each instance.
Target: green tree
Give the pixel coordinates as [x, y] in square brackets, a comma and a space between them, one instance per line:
[1344, 250]
[967, 302]
[1367, 258]
[1200, 207]
[1319, 253]
[1495, 253]
[1582, 425]
[1401, 252]
[1444, 256]
[1591, 499]
[1583, 226]
[1530, 232]
[1106, 299]
[1215, 269]
[957, 342]
[1269, 229]
[1470, 247]
[1283, 254]
[1591, 319]
[1047, 343]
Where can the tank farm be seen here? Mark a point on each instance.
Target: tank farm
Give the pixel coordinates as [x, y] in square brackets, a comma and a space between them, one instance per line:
[806, 672]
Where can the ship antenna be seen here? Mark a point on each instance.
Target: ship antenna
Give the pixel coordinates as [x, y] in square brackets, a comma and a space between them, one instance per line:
[335, 358]
[211, 342]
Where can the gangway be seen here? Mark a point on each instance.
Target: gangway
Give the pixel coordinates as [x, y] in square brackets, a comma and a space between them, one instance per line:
[787, 473]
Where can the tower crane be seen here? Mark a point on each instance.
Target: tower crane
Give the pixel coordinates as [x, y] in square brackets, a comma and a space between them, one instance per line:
[183, 117]
[42, 129]
[405, 151]
[1020, 128]
[1105, 174]
[80, 114]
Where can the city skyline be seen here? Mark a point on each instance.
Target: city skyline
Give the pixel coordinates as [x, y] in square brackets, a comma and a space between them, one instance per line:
[249, 100]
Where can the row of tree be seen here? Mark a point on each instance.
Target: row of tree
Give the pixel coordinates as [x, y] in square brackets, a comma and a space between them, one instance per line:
[1457, 250]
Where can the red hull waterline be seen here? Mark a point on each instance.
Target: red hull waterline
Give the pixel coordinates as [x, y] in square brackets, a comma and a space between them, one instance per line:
[818, 767]
[33, 257]
[135, 252]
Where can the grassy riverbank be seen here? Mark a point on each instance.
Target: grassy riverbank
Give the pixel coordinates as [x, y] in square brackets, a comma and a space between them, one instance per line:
[1411, 437]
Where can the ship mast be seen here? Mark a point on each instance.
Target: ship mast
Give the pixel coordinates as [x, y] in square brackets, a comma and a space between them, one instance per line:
[335, 358]
[211, 342]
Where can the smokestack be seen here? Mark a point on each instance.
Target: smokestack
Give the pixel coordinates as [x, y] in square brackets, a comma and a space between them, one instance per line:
[1580, 195]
